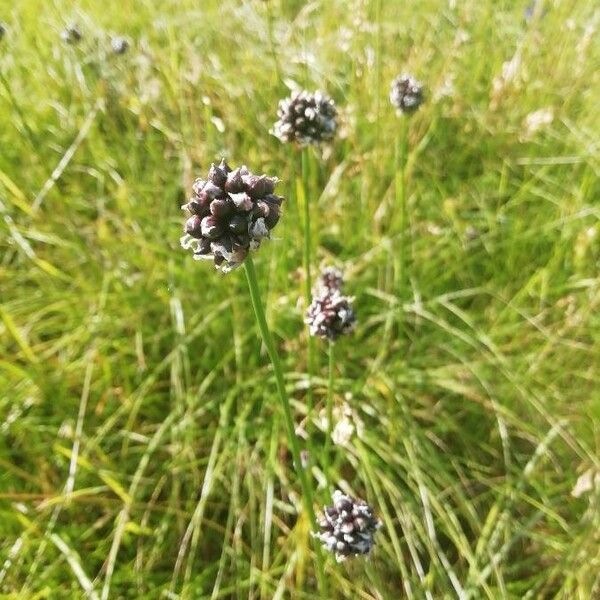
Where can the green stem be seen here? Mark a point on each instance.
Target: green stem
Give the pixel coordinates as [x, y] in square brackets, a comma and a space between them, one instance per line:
[307, 492]
[307, 232]
[401, 156]
[310, 367]
[329, 406]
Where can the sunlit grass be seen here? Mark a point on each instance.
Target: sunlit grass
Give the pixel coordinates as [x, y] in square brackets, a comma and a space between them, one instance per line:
[142, 448]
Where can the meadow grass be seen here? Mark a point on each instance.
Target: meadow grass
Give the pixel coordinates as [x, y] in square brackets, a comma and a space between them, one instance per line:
[143, 453]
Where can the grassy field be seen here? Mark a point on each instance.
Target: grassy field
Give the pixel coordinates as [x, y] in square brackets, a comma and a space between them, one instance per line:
[143, 452]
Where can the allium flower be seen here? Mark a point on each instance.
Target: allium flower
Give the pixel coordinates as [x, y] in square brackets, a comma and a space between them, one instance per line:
[330, 314]
[406, 94]
[231, 213]
[347, 527]
[306, 118]
[71, 34]
[119, 45]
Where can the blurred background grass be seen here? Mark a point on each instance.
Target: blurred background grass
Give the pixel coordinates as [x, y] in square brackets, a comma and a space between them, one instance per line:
[142, 452]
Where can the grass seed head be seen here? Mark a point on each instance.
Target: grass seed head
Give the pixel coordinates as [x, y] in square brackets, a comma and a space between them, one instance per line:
[348, 527]
[232, 211]
[306, 118]
[406, 94]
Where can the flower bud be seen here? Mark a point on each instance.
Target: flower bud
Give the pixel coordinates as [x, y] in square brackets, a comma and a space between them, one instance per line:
[221, 207]
[218, 174]
[234, 183]
[242, 201]
[211, 227]
[193, 226]
[273, 217]
[259, 186]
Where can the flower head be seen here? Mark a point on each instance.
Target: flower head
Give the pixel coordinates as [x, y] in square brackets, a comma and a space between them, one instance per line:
[406, 94]
[119, 45]
[232, 211]
[348, 527]
[330, 313]
[306, 118]
[71, 34]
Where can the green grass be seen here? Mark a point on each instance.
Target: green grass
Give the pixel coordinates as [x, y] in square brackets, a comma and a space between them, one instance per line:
[143, 453]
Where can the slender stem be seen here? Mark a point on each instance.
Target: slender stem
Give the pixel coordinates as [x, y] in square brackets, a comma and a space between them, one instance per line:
[401, 156]
[310, 367]
[307, 231]
[329, 406]
[305, 482]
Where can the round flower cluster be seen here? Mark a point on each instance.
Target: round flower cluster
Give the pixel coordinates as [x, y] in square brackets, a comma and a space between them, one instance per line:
[406, 94]
[330, 313]
[306, 118]
[119, 45]
[231, 213]
[348, 527]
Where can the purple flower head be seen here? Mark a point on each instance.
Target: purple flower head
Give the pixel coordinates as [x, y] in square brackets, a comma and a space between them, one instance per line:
[406, 94]
[231, 212]
[347, 528]
[306, 118]
[330, 314]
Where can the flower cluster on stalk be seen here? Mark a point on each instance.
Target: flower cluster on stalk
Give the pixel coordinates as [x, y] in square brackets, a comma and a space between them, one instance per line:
[348, 527]
[330, 313]
[232, 211]
[306, 118]
[119, 44]
[406, 94]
